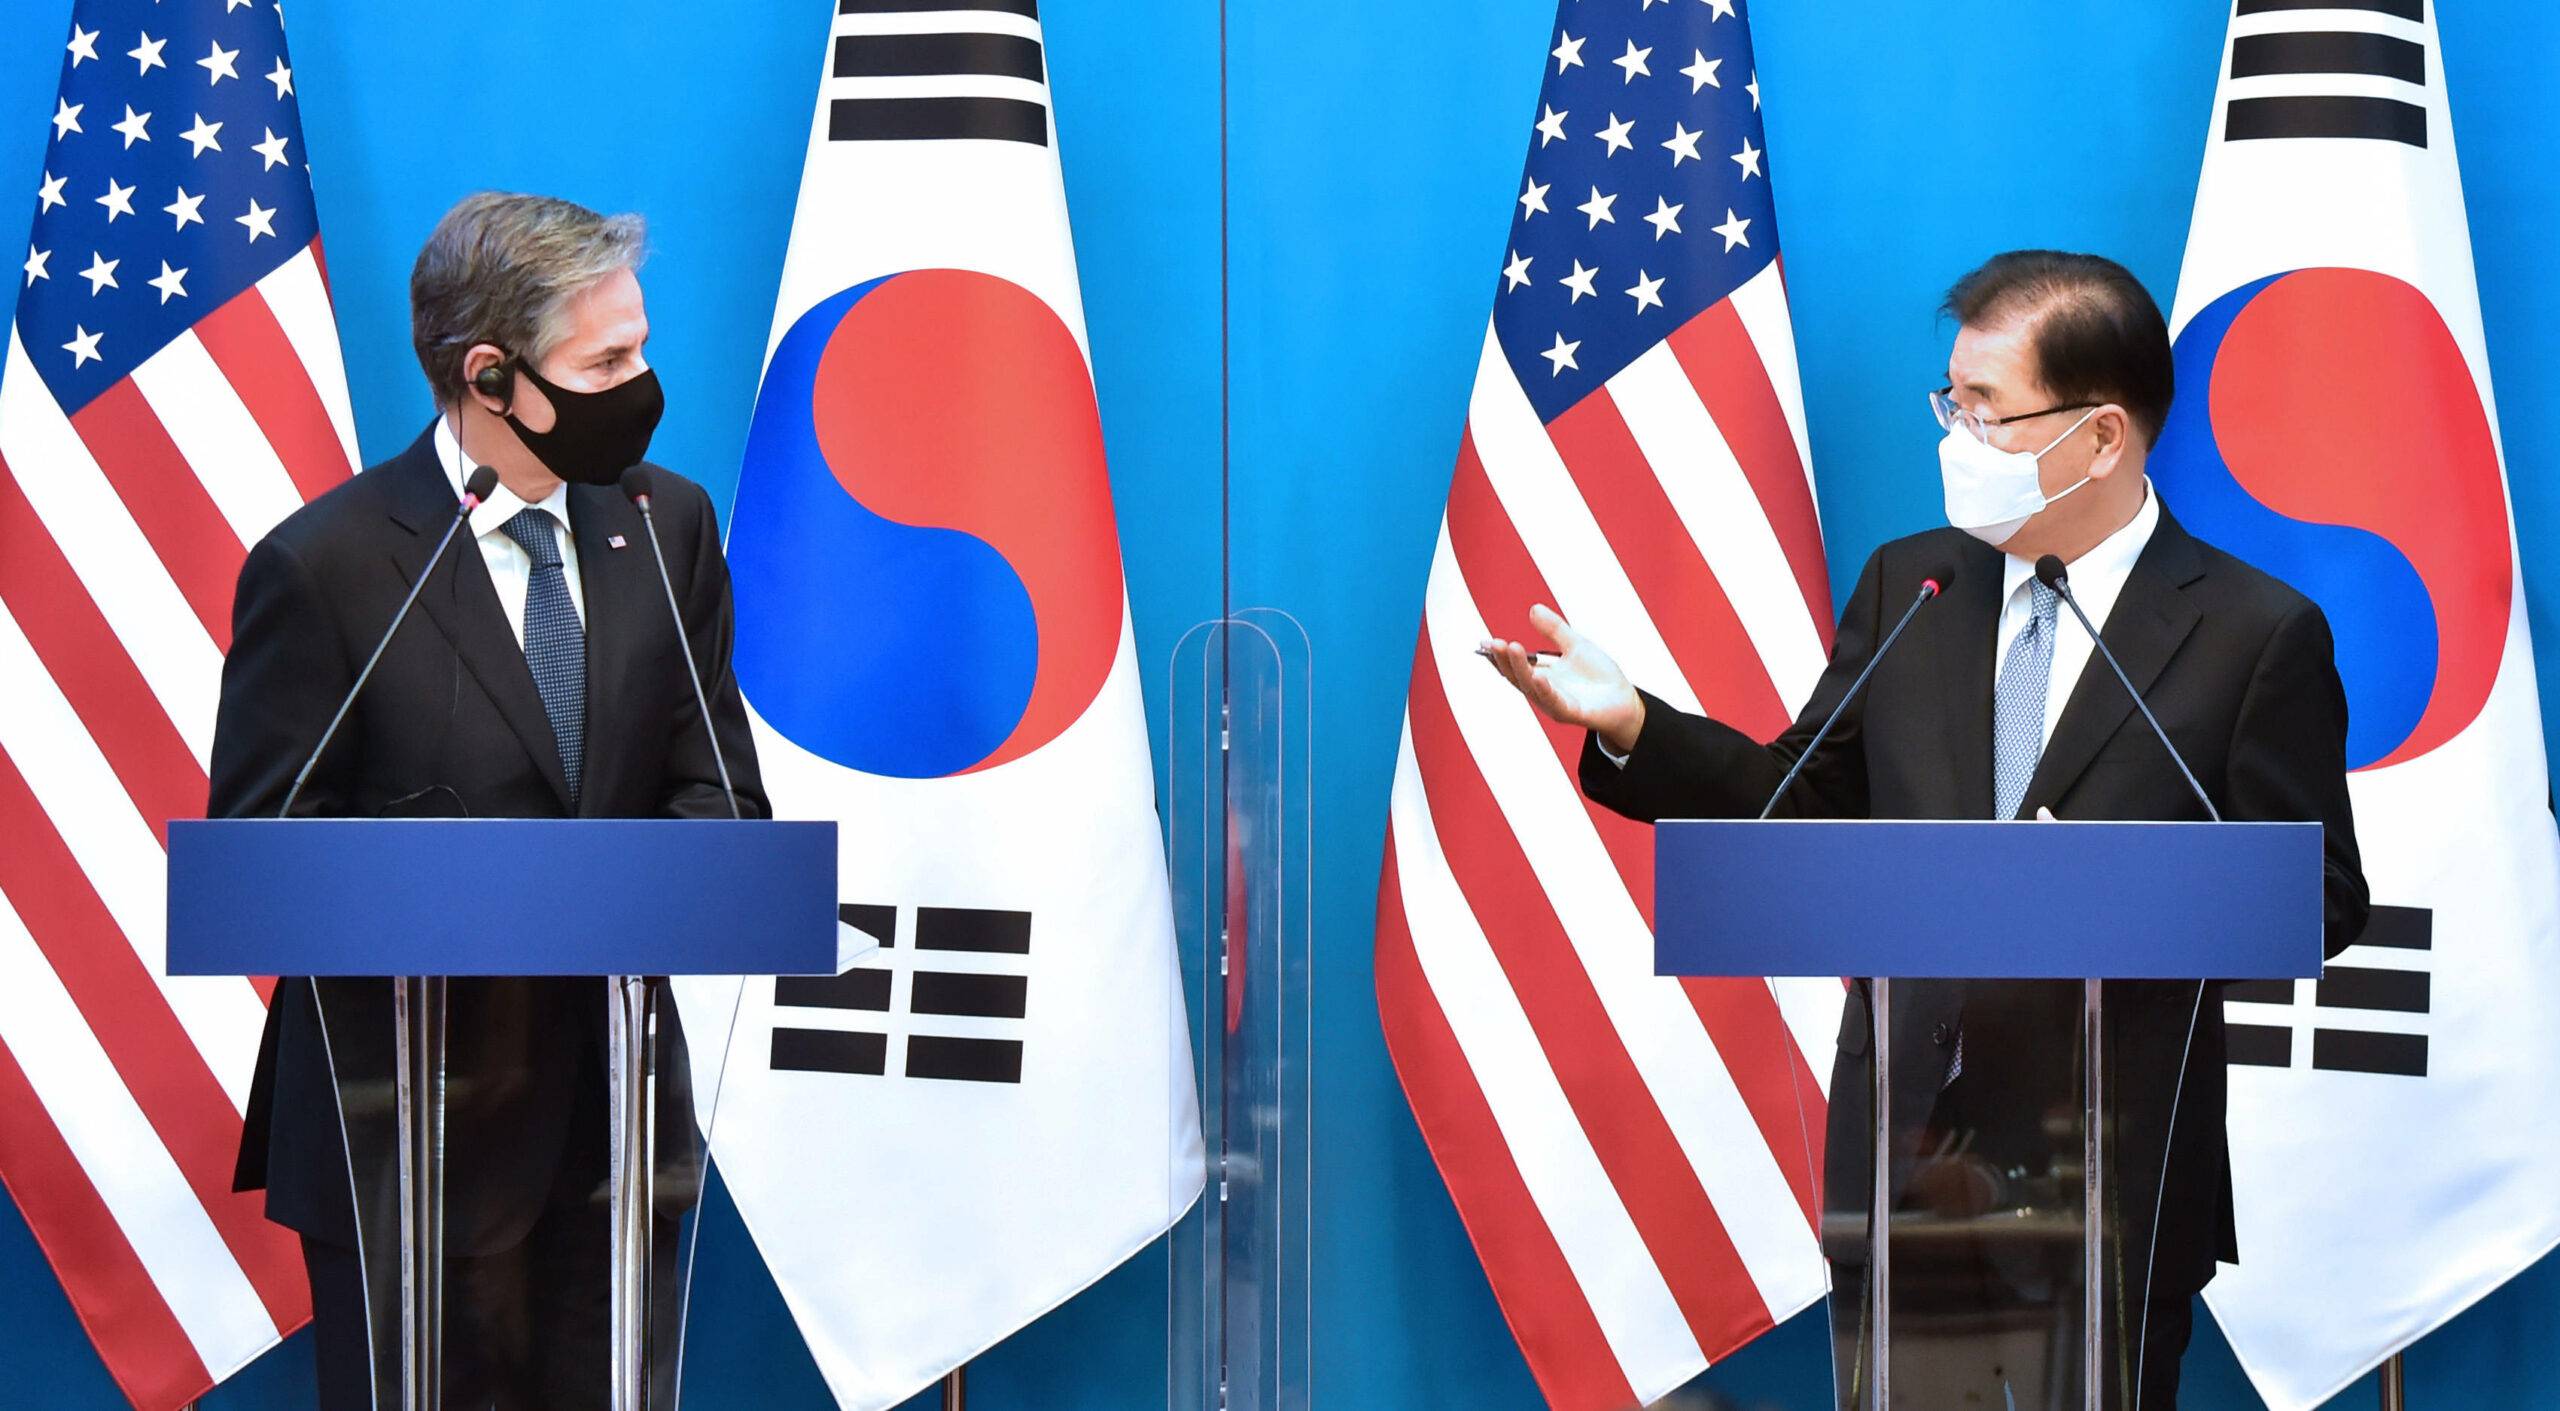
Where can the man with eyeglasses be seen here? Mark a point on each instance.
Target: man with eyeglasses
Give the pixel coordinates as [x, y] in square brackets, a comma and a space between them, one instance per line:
[2058, 383]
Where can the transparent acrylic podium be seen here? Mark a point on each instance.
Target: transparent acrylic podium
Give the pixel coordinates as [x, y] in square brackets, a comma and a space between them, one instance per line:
[459, 985]
[2008, 1080]
[1240, 1292]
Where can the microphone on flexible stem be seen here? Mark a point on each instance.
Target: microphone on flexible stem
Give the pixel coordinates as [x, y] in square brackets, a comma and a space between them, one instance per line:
[2049, 572]
[641, 487]
[1930, 587]
[474, 490]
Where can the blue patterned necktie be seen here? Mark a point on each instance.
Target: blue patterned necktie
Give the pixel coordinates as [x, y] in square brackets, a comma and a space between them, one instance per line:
[2017, 706]
[555, 645]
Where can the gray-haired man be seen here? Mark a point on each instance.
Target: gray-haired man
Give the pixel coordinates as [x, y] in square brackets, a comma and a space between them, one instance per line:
[544, 681]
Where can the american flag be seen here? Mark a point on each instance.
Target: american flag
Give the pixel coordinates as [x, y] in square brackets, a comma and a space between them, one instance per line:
[1635, 1158]
[173, 388]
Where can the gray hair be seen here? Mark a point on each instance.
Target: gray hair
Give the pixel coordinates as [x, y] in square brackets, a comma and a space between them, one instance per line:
[498, 268]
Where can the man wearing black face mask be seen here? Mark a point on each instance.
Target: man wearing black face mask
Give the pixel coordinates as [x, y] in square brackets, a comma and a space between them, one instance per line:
[539, 678]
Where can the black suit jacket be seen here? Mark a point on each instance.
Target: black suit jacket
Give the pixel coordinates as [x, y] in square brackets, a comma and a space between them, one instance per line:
[451, 724]
[2238, 667]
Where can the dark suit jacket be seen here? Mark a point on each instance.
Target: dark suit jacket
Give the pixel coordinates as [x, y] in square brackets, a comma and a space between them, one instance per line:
[2239, 669]
[451, 724]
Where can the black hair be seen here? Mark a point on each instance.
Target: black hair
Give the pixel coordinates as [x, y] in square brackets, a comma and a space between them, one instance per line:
[2097, 335]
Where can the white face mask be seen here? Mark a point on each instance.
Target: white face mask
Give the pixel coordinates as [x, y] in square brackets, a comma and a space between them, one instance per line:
[1991, 493]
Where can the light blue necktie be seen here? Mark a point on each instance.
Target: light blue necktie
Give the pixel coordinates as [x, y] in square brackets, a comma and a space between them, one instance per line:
[2017, 706]
[555, 646]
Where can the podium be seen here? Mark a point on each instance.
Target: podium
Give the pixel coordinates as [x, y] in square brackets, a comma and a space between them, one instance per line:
[1990, 1232]
[517, 913]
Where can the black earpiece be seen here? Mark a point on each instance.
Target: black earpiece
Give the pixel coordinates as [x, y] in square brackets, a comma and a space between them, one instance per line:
[491, 380]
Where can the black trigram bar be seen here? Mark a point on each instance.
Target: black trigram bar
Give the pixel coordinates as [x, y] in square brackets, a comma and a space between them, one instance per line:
[978, 996]
[918, 55]
[1028, 9]
[2403, 9]
[2259, 1045]
[2260, 991]
[857, 988]
[964, 1060]
[972, 929]
[2326, 115]
[2400, 928]
[880, 923]
[2343, 51]
[829, 1051]
[2360, 1051]
[2360, 987]
[937, 119]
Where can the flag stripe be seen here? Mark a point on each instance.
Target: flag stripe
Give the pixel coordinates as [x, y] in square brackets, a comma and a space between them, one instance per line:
[1679, 590]
[1557, 1331]
[1609, 1097]
[114, 562]
[141, 1341]
[120, 1155]
[168, 504]
[153, 1057]
[218, 441]
[113, 846]
[1778, 1080]
[1553, 1154]
[267, 376]
[1761, 304]
[1688, 1071]
[298, 295]
[1724, 366]
[90, 665]
[1719, 511]
[1539, 498]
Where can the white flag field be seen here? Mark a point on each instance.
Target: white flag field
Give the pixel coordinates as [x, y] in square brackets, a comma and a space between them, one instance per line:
[2335, 426]
[996, 1107]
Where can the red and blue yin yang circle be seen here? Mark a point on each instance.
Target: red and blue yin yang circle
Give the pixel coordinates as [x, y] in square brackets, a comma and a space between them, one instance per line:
[2328, 430]
[926, 568]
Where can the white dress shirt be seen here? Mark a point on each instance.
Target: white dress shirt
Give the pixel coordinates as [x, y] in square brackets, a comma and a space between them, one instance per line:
[2097, 580]
[510, 567]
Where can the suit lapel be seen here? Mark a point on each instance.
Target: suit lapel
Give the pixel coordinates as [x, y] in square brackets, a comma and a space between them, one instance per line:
[1963, 633]
[622, 600]
[2151, 618]
[464, 604]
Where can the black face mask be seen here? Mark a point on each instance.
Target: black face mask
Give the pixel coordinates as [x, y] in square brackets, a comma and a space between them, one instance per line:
[594, 436]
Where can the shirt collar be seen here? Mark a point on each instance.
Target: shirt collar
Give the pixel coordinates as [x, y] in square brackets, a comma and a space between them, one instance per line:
[2107, 565]
[502, 503]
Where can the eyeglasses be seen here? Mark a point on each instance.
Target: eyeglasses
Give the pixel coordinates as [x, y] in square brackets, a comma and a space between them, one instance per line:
[1952, 415]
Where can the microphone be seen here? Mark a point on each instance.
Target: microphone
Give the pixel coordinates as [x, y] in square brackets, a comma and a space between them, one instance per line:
[474, 490]
[2049, 572]
[641, 487]
[1930, 587]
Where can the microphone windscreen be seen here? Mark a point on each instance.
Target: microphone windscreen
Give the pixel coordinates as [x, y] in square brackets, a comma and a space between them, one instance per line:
[638, 484]
[2049, 571]
[480, 483]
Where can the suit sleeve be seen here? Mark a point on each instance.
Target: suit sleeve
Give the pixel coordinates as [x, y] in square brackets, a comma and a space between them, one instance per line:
[1689, 766]
[282, 679]
[693, 774]
[2288, 761]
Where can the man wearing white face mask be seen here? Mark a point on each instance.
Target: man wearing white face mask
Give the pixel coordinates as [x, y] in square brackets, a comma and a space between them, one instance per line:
[2059, 380]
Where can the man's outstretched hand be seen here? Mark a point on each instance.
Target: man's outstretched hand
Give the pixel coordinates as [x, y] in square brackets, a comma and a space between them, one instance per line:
[1578, 684]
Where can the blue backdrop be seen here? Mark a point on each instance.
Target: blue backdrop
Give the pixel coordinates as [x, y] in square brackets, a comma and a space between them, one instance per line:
[1373, 151]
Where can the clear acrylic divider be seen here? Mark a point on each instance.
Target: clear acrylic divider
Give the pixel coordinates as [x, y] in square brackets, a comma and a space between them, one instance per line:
[1239, 1310]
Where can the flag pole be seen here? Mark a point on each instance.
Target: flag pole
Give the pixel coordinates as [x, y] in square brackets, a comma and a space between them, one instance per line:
[2395, 1391]
[955, 1389]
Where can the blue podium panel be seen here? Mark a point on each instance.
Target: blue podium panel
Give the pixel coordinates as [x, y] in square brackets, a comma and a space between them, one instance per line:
[1986, 900]
[501, 896]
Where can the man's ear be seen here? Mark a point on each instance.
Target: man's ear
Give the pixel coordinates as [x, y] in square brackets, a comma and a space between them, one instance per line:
[489, 378]
[2109, 429]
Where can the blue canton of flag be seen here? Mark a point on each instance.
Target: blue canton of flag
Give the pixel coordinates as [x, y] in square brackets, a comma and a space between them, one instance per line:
[1646, 199]
[175, 179]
